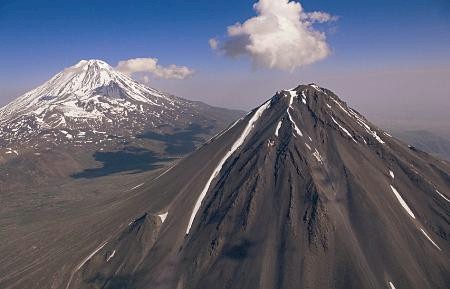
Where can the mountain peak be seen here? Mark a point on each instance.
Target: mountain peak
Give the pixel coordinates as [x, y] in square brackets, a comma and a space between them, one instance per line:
[91, 94]
[82, 82]
[297, 112]
[92, 62]
[302, 181]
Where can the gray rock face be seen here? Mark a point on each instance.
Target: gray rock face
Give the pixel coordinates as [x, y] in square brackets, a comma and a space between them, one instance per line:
[303, 192]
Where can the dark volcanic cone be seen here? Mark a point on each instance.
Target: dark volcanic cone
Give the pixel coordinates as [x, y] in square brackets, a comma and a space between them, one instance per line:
[115, 261]
[303, 192]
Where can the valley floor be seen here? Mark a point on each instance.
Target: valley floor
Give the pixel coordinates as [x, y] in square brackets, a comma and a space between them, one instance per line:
[52, 229]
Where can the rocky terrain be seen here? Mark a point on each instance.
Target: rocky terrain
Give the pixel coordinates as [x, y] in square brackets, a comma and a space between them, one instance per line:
[302, 192]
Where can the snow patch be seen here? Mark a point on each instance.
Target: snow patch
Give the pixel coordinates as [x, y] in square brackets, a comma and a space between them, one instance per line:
[165, 172]
[111, 256]
[235, 146]
[359, 120]
[343, 129]
[278, 127]
[225, 130]
[429, 239]
[135, 187]
[442, 195]
[163, 217]
[91, 255]
[292, 93]
[402, 202]
[10, 151]
[316, 87]
[297, 130]
[391, 173]
[363, 124]
[307, 146]
[291, 100]
[317, 155]
[303, 97]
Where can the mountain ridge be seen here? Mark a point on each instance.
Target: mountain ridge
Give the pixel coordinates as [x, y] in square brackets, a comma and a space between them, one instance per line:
[302, 192]
[90, 120]
[91, 103]
[324, 200]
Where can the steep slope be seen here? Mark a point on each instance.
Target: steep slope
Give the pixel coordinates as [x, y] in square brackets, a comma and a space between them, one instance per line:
[311, 195]
[91, 104]
[302, 192]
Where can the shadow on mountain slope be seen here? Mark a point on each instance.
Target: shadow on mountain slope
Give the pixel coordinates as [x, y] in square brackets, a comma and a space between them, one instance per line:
[181, 142]
[130, 159]
[239, 251]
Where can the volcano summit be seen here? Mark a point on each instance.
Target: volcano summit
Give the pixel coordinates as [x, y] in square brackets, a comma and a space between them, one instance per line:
[92, 104]
[303, 192]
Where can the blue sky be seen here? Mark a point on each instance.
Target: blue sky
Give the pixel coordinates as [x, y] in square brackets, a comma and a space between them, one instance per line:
[40, 38]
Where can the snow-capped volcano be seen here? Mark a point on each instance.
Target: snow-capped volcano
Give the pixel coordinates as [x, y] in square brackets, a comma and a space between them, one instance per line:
[86, 81]
[89, 98]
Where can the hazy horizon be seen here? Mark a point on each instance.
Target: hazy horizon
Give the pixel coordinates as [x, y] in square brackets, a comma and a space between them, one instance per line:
[391, 62]
[378, 94]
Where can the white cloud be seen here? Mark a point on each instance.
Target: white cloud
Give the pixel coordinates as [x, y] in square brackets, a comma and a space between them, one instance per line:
[320, 17]
[145, 79]
[151, 66]
[213, 43]
[281, 36]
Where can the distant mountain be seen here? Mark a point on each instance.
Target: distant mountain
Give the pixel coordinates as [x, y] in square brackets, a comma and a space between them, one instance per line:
[90, 103]
[92, 109]
[303, 192]
[427, 141]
